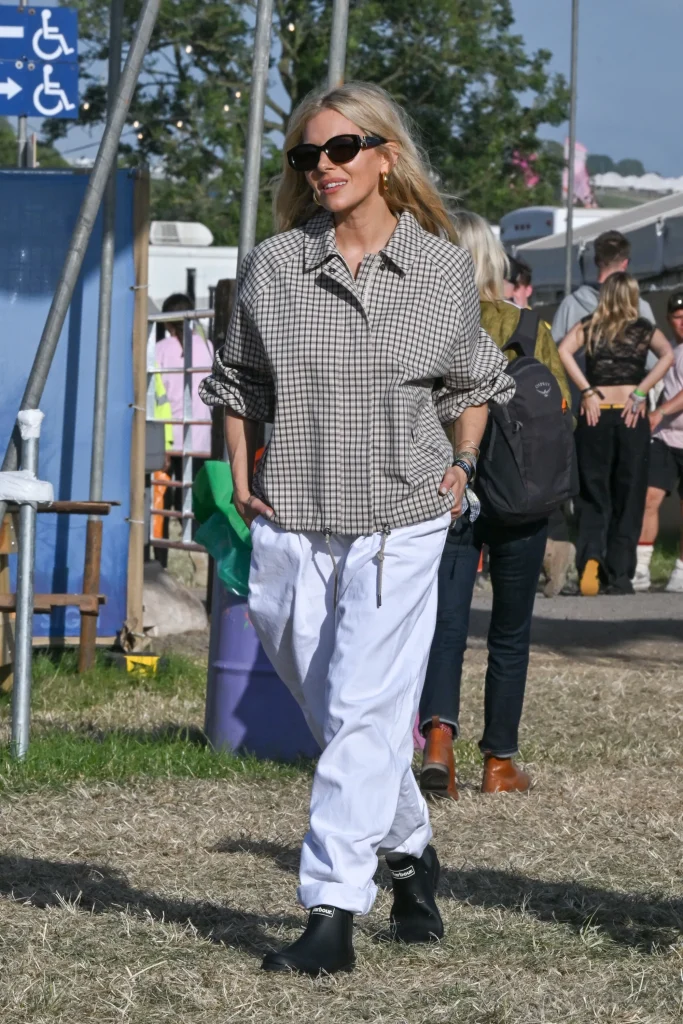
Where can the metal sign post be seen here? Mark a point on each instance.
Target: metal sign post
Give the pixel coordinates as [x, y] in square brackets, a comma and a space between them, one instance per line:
[569, 242]
[337, 61]
[257, 104]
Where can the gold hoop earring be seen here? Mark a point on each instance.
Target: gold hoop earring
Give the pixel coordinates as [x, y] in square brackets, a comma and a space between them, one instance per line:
[315, 198]
[385, 181]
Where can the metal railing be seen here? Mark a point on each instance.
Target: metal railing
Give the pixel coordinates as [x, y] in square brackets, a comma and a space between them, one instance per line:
[187, 452]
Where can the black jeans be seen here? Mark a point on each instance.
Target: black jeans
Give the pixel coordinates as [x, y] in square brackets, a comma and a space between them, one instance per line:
[613, 468]
[516, 557]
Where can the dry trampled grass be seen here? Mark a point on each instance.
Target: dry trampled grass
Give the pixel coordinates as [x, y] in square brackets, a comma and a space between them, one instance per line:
[154, 902]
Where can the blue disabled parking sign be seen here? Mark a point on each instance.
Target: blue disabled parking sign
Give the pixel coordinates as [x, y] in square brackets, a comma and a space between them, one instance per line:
[38, 90]
[38, 62]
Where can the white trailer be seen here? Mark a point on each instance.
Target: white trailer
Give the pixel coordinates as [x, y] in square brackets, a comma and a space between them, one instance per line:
[182, 258]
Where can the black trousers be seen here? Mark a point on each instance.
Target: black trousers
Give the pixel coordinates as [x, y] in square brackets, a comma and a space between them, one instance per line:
[516, 557]
[613, 470]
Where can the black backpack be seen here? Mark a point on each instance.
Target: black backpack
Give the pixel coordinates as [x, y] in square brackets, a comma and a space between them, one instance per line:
[527, 467]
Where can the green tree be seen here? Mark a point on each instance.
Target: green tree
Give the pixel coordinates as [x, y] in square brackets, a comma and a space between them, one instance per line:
[456, 65]
[630, 166]
[47, 155]
[596, 163]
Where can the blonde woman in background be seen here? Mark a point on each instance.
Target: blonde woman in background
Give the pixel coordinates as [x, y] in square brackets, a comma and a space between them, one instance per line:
[613, 433]
[515, 556]
[356, 332]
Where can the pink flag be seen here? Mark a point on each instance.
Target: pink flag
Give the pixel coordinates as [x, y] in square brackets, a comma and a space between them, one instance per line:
[583, 191]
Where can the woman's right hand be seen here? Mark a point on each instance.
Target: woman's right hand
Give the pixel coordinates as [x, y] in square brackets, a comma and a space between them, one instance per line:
[590, 408]
[249, 507]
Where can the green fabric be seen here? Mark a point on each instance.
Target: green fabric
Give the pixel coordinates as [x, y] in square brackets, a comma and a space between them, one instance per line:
[212, 492]
[222, 532]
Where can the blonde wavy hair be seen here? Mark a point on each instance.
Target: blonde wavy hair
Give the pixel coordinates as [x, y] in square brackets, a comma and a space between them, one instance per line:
[375, 113]
[617, 308]
[488, 255]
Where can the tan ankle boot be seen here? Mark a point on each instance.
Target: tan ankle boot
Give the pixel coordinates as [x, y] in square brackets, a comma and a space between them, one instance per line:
[502, 775]
[437, 777]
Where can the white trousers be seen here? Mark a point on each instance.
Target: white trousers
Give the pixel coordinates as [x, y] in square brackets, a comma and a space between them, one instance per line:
[357, 671]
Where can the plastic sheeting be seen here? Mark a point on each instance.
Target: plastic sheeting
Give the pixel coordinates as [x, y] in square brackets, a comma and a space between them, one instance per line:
[38, 210]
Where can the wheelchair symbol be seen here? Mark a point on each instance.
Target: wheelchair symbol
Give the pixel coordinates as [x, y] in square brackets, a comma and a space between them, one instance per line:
[48, 34]
[50, 88]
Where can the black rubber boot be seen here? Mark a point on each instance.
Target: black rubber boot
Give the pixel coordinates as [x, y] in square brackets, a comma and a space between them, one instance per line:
[325, 947]
[415, 916]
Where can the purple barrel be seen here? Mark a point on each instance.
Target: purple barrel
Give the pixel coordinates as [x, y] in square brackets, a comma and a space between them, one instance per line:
[248, 707]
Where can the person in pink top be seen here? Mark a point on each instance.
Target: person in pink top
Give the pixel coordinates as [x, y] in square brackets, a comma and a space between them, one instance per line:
[666, 457]
[169, 356]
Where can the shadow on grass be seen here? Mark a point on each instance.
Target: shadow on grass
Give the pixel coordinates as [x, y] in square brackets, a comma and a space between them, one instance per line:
[638, 920]
[99, 889]
[166, 732]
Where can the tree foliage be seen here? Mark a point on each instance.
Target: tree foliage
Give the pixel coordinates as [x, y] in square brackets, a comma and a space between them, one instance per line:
[457, 66]
[47, 155]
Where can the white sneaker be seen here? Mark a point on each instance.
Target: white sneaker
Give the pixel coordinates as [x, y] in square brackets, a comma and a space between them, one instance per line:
[675, 584]
[641, 580]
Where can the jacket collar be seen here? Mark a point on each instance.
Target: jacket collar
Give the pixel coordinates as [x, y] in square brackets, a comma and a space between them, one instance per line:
[402, 249]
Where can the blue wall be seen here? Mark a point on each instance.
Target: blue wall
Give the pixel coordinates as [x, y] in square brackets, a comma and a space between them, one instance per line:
[38, 210]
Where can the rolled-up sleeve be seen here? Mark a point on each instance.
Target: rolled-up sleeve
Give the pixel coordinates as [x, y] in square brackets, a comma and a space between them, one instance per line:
[241, 377]
[478, 373]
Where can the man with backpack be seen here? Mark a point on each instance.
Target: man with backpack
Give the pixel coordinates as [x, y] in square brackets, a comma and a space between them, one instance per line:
[523, 473]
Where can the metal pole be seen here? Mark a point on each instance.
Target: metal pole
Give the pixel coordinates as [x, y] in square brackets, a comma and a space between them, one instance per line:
[22, 143]
[29, 426]
[187, 460]
[257, 103]
[106, 157]
[22, 122]
[337, 61]
[569, 242]
[93, 536]
[106, 268]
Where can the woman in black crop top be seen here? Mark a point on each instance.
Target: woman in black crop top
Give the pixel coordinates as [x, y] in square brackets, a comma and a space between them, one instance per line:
[613, 434]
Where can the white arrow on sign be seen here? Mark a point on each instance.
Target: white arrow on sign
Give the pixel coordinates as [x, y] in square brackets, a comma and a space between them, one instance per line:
[9, 88]
[11, 31]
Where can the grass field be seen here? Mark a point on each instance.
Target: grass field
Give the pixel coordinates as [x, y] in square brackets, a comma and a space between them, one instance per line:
[142, 876]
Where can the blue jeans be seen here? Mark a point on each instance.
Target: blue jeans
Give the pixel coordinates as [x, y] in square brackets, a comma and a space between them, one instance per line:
[516, 556]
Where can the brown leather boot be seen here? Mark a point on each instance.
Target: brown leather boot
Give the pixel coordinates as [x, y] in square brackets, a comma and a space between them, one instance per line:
[437, 777]
[502, 775]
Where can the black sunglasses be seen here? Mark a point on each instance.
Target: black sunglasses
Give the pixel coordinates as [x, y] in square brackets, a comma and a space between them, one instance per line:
[341, 150]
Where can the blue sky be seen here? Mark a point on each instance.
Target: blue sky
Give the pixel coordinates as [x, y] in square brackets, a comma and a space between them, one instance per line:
[630, 86]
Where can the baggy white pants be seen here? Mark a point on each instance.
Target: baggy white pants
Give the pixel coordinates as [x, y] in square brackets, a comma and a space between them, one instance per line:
[357, 673]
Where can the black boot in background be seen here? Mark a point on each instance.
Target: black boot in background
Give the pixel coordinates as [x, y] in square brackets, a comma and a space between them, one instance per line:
[415, 916]
[325, 947]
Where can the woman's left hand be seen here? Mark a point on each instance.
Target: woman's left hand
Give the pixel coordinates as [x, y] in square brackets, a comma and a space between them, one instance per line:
[455, 481]
[634, 411]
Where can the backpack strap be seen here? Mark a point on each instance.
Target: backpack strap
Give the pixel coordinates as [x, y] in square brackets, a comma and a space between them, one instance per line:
[523, 338]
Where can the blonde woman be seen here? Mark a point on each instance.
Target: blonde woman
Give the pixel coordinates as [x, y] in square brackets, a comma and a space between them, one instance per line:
[356, 332]
[613, 433]
[515, 557]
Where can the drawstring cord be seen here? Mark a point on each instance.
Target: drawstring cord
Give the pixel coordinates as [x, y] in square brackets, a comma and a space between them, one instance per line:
[380, 558]
[327, 534]
[386, 532]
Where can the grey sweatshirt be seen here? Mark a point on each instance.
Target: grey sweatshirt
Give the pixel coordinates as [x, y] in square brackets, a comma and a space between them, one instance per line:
[578, 305]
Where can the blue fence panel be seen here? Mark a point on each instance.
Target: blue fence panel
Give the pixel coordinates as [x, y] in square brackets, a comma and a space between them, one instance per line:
[38, 211]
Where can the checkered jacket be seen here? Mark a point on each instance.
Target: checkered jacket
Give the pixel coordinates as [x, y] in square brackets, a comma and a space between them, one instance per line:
[357, 376]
